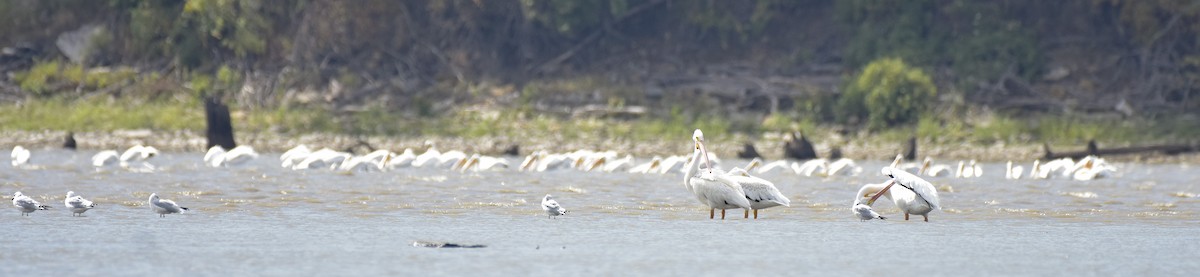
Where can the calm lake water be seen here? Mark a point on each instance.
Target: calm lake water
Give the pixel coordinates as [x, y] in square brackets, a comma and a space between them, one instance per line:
[260, 219]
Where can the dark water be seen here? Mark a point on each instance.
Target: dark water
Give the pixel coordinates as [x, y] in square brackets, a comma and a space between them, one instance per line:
[262, 219]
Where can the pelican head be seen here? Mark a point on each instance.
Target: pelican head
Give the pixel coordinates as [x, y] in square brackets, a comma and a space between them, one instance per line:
[698, 138]
[887, 171]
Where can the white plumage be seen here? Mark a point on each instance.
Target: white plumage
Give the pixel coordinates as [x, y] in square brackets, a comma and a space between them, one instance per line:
[77, 204]
[27, 205]
[551, 207]
[711, 188]
[864, 212]
[917, 197]
[20, 156]
[761, 194]
[164, 206]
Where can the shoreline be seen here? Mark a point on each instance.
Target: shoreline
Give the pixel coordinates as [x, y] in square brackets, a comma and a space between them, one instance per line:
[770, 146]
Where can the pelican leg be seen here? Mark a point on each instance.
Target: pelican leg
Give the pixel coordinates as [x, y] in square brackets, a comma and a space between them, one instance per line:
[926, 218]
[722, 214]
[755, 214]
[905, 216]
[747, 214]
[711, 213]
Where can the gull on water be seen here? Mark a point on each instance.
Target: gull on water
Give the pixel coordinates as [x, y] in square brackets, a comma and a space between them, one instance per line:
[865, 212]
[27, 205]
[551, 207]
[77, 204]
[164, 206]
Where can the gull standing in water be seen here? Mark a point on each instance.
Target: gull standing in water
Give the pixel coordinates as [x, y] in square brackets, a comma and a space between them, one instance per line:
[77, 204]
[27, 205]
[551, 207]
[164, 206]
[865, 212]
[917, 197]
[713, 189]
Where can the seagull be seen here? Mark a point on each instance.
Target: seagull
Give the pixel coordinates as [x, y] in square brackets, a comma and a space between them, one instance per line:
[865, 212]
[164, 207]
[712, 187]
[27, 205]
[916, 196]
[551, 207]
[77, 204]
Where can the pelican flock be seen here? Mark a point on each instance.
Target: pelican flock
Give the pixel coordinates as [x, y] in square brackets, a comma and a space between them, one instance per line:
[738, 188]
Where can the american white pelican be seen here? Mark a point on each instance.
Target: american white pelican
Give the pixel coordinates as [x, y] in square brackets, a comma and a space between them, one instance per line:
[1091, 167]
[917, 197]
[324, 158]
[910, 167]
[551, 207]
[814, 167]
[374, 161]
[77, 204]
[20, 156]
[430, 156]
[611, 164]
[843, 167]
[1049, 169]
[164, 206]
[293, 156]
[1013, 172]
[672, 164]
[449, 160]
[27, 205]
[218, 157]
[753, 164]
[712, 187]
[479, 162]
[968, 170]
[648, 167]
[976, 170]
[761, 193]
[761, 168]
[139, 153]
[405, 159]
[865, 212]
[106, 158]
[934, 170]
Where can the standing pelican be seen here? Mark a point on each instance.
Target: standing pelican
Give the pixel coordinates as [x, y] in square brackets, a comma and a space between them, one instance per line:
[1013, 172]
[918, 197]
[27, 205]
[164, 206]
[713, 189]
[761, 193]
[551, 207]
[77, 204]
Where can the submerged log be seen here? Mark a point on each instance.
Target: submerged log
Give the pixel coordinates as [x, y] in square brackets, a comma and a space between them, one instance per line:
[1096, 151]
[220, 127]
[910, 149]
[69, 141]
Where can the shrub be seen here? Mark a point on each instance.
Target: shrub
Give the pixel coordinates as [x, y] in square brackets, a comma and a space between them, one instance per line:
[887, 92]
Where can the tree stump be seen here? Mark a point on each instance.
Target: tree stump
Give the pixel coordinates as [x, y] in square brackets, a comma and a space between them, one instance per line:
[220, 126]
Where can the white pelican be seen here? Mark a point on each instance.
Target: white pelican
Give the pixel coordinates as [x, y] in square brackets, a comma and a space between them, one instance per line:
[932, 170]
[431, 155]
[479, 162]
[648, 167]
[761, 193]
[139, 153]
[610, 164]
[910, 167]
[164, 206]
[106, 158]
[405, 159]
[77, 204]
[843, 167]
[293, 156]
[762, 168]
[1013, 172]
[814, 167]
[218, 157]
[324, 158]
[20, 156]
[918, 197]
[672, 164]
[1047, 169]
[968, 170]
[976, 169]
[1091, 167]
[449, 160]
[551, 207]
[27, 205]
[374, 161]
[712, 188]
[865, 212]
[214, 156]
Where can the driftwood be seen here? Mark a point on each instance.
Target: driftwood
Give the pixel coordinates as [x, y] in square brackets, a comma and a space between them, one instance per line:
[69, 141]
[910, 149]
[220, 126]
[1096, 151]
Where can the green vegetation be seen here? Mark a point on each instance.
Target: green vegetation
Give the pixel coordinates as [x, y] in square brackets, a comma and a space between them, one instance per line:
[888, 92]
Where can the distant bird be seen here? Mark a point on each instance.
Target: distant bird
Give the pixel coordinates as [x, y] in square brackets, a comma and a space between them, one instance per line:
[917, 197]
[164, 206]
[551, 207]
[405, 159]
[69, 141]
[290, 157]
[77, 204]
[843, 167]
[479, 162]
[136, 158]
[20, 156]
[106, 158]
[218, 157]
[1013, 172]
[711, 187]
[796, 146]
[648, 167]
[865, 212]
[934, 170]
[27, 205]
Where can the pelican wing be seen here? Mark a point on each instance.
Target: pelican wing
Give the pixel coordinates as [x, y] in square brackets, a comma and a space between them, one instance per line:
[922, 188]
[718, 190]
[758, 190]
